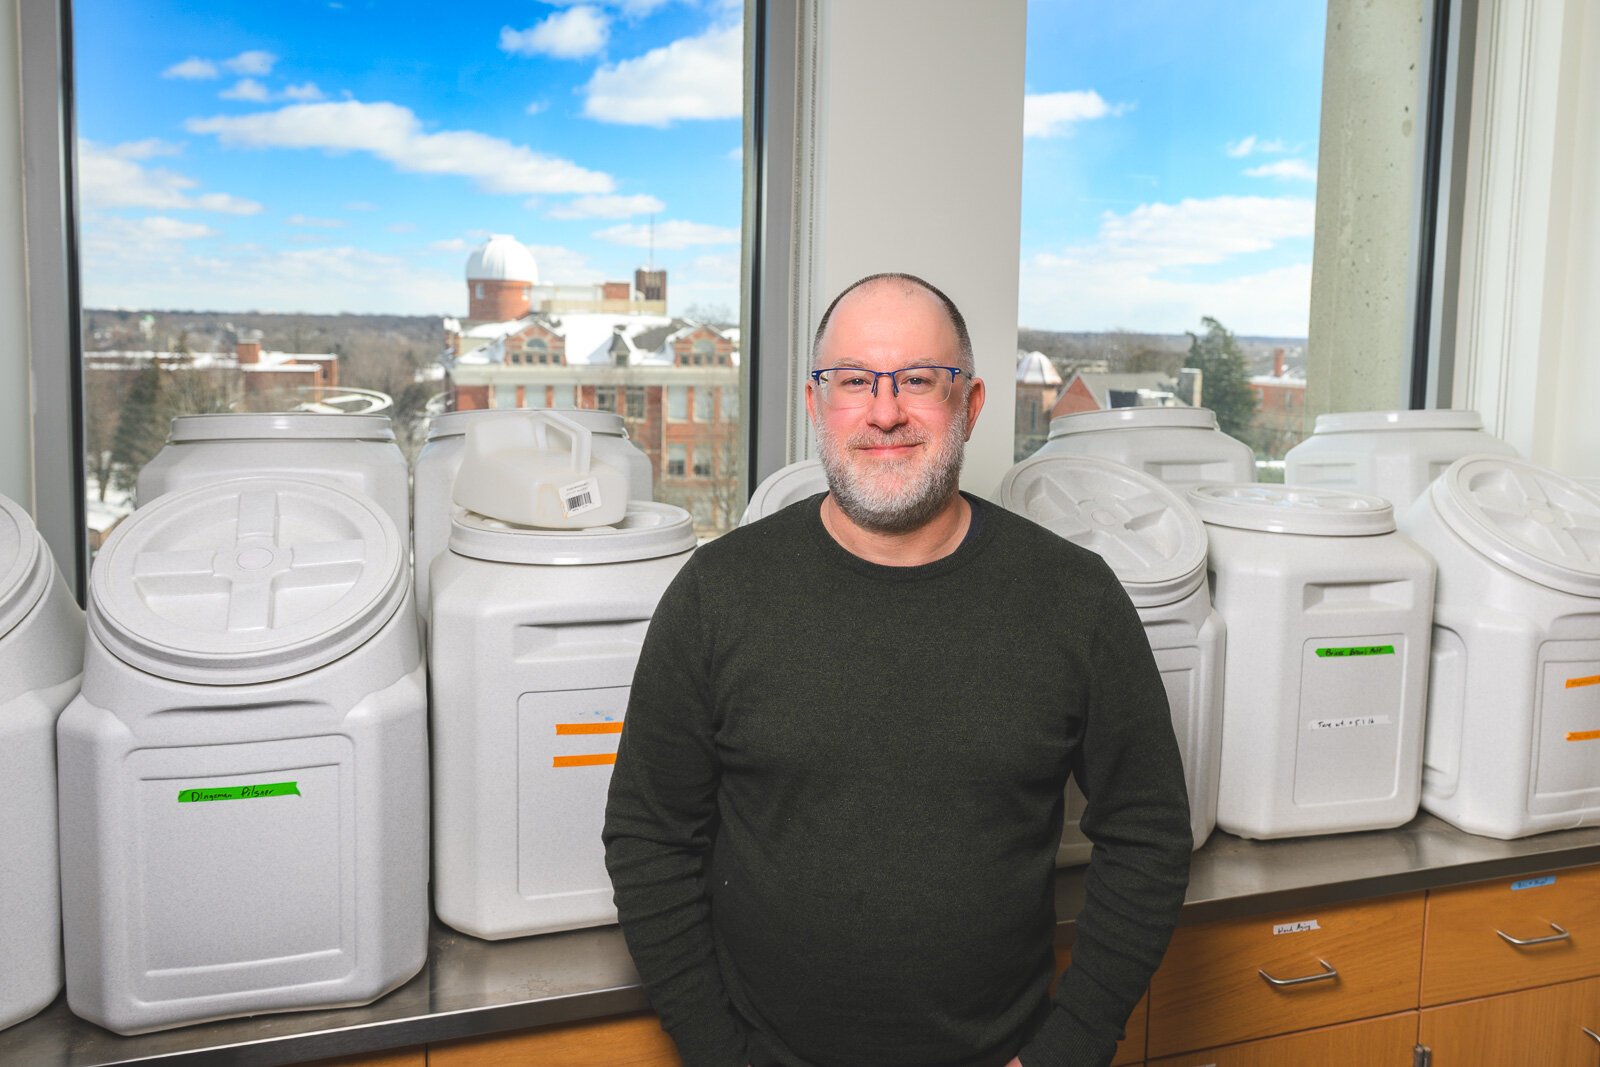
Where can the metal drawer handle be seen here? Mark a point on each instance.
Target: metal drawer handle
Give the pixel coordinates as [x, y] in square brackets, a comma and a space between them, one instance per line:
[1559, 935]
[1327, 973]
[1592, 1034]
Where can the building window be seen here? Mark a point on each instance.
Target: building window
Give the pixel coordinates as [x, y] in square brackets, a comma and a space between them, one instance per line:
[705, 352]
[677, 460]
[702, 462]
[730, 404]
[605, 398]
[677, 402]
[636, 402]
[538, 351]
[561, 397]
[702, 403]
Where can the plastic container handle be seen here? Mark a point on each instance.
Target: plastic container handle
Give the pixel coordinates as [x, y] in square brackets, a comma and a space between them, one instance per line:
[579, 439]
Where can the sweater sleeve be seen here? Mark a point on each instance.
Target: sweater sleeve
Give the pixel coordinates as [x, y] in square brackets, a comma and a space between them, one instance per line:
[1137, 819]
[659, 826]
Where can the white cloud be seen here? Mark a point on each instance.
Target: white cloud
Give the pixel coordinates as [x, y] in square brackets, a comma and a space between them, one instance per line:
[453, 244]
[632, 9]
[736, 155]
[608, 207]
[401, 227]
[572, 34]
[395, 135]
[360, 205]
[148, 148]
[1297, 170]
[1055, 114]
[192, 69]
[691, 78]
[534, 107]
[1138, 271]
[256, 62]
[674, 233]
[305, 91]
[565, 264]
[314, 223]
[112, 178]
[123, 271]
[1252, 144]
[247, 89]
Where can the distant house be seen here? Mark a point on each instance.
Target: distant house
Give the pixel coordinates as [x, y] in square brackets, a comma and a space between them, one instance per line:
[674, 382]
[1038, 382]
[1090, 391]
[260, 372]
[1280, 418]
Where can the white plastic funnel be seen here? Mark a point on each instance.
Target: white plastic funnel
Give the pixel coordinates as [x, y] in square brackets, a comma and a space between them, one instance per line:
[538, 471]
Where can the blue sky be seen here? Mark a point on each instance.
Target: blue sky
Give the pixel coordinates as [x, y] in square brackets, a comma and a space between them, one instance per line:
[346, 156]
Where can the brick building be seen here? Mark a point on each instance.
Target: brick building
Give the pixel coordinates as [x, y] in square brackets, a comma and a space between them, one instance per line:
[1280, 419]
[674, 382]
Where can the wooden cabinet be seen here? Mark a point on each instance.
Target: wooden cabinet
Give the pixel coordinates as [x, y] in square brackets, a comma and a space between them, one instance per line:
[1471, 932]
[406, 1057]
[1543, 1027]
[1386, 1042]
[627, 1041]
[1227, 982]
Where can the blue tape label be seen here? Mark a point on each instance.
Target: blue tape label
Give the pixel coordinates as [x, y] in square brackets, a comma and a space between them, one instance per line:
[1534, 883]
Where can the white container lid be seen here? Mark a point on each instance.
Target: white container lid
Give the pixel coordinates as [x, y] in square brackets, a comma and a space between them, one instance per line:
[1535, 522]
[1151, 418]
[245, 581]
[1403, 421]
[1292, 509]
[1142, 528]
[648, 530]
[24, 566]
[296, 425]
[455, 423]
[785, 486]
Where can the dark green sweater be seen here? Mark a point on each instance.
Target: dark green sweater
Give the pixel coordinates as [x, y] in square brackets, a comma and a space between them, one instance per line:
[833, 821]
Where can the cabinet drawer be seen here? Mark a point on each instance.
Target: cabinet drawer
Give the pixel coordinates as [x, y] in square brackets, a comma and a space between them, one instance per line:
[1386, 1042]
[1537, 1026]
[1468, 954]
[1130, 1049]
[1216, 986]
[626, 1041]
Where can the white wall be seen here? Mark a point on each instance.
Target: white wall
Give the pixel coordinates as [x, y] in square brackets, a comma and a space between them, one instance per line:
[16, 414]
[917, 166]
[1528, 326]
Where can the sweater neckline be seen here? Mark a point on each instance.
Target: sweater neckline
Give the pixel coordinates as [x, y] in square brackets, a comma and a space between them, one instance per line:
[979, 533]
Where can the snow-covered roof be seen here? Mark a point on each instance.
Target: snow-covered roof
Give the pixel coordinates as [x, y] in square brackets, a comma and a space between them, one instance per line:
[590, 337]
[1035, 368]
[502, 258]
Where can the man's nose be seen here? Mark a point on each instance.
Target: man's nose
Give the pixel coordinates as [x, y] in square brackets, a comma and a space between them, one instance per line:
[885, 411]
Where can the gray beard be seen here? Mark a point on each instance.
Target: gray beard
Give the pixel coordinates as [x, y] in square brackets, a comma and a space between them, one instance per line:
[899, 508]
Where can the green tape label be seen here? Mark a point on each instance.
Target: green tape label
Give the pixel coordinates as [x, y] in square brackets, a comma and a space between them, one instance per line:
[239, 792]
[1357, 650]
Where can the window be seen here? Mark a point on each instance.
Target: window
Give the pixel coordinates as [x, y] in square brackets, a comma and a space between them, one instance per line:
[677, 402]
[677, 460]
[702, 462]
[636, 402]
[702, 403]
[1170, 208]
[343, 244]
[730, 404]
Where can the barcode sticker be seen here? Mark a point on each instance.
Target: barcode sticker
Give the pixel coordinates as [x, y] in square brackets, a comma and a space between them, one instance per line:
[1296, 928]
[1534, 883]
[580, 497]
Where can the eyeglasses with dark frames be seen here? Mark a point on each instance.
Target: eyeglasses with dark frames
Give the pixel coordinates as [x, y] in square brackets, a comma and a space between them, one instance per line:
[855, 387]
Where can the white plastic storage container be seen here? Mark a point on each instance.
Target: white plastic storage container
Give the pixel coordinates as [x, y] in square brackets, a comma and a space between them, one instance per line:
[536, 634]
[244, 776]
[1178, 446]
[1392, 454]
[356, 453]
[1157, 547]
[784, 487]
[440, 458]
[1513, 743]
[1328, 612]
[41, 657]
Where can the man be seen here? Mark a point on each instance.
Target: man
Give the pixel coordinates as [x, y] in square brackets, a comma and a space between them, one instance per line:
[834, 816]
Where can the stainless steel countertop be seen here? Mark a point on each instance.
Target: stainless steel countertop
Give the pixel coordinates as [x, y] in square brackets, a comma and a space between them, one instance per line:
[473, 988]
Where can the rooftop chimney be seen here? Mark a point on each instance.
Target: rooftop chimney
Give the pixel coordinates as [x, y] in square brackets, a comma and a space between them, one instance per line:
[1277, 363]
[248, 352]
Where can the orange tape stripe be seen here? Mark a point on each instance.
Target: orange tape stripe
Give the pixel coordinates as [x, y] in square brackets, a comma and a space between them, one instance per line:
[1574, 683]
[588, 728]
[598, 760]
[1584, 735]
